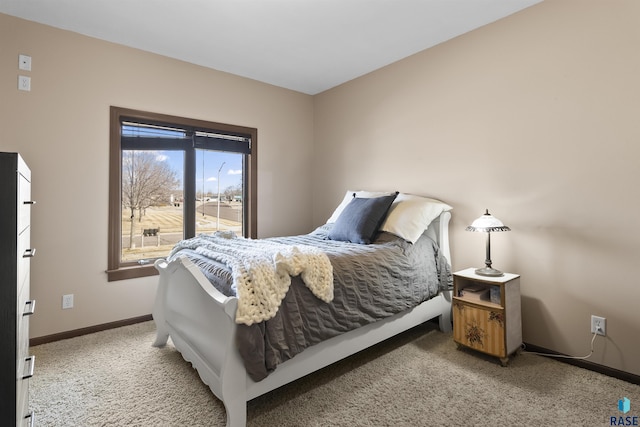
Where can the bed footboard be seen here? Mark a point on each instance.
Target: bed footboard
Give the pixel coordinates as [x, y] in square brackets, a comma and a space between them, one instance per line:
[200, 322]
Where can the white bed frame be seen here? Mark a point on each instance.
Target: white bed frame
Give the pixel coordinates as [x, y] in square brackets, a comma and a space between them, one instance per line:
[200, 322]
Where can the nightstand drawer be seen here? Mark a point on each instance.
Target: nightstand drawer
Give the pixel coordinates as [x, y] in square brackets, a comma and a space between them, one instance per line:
[479, 327]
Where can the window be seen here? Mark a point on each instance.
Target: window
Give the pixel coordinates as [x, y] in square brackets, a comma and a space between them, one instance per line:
[171, 178]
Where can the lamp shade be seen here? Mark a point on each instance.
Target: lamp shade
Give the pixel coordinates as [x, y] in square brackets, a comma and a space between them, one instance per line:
[487, 223]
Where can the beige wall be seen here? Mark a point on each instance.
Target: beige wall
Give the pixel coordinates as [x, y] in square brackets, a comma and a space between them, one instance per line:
[536, 118]
[61, 129]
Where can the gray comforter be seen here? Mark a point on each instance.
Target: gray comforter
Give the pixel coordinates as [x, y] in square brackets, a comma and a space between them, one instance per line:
[371, 282]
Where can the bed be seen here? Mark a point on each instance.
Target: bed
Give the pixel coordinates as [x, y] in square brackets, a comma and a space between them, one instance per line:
[202, 317]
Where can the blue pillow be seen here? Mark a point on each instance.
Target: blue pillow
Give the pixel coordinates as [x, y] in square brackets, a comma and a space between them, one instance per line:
[361, 218]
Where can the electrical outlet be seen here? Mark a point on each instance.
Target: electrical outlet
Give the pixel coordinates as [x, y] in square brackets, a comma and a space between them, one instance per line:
[598, 325]
[67, 301]
[24, 83]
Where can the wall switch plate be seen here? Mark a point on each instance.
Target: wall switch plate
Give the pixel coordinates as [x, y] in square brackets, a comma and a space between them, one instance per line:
[67, 301]
[24, 62]
[24, 83]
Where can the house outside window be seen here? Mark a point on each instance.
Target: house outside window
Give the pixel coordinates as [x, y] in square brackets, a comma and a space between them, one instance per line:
[172, 178]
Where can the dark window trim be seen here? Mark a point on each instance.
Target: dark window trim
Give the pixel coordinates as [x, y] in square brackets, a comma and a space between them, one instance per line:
[115, 270]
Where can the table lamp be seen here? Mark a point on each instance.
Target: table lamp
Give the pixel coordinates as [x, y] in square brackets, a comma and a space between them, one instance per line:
[488, 224]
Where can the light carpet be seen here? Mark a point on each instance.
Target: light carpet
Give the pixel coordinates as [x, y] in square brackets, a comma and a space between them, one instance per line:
[419, 378]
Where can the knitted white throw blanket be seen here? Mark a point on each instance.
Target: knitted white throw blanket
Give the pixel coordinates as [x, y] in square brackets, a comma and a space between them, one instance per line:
[262, 272]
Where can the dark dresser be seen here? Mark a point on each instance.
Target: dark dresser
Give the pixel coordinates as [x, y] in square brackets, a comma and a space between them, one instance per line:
[16, 306]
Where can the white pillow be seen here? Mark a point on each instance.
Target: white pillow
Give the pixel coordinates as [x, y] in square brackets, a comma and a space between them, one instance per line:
[409, 215]
[349, 195]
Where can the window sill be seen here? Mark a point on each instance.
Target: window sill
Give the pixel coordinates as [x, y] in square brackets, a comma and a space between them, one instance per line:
[131, 272]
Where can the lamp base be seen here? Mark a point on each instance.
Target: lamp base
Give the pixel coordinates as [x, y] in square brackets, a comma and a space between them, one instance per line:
[488, 271]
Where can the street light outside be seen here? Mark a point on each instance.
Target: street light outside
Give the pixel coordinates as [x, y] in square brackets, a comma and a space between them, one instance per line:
[218, 216]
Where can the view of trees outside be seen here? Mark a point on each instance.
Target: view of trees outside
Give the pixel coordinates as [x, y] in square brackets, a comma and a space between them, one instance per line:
[152, 199]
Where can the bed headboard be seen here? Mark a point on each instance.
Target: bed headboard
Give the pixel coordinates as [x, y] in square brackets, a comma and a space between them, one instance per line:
[439, 231]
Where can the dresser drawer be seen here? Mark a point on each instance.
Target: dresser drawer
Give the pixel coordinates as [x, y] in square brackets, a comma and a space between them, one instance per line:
[24, 202]
[25, 309]
[22, 396]
[24, 254]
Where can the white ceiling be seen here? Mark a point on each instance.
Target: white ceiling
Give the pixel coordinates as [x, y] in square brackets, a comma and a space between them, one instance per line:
[304, 45]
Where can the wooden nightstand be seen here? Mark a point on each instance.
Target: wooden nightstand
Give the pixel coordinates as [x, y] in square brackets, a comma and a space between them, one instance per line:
[486, 313]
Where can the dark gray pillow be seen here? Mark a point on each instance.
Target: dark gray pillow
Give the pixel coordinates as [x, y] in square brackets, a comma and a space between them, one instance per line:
[361, 218]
